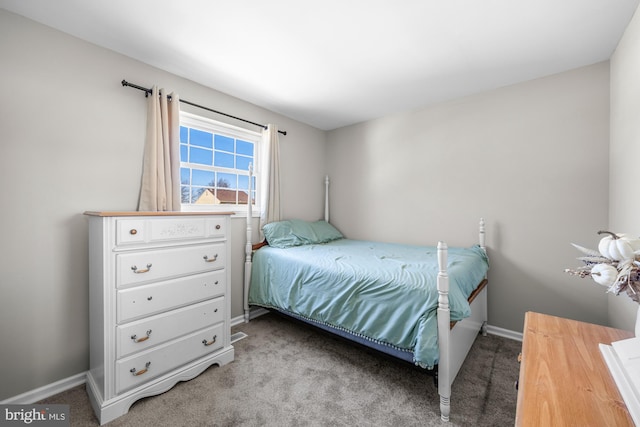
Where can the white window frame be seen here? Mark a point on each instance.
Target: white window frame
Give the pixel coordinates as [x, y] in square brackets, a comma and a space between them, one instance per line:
[213, 126]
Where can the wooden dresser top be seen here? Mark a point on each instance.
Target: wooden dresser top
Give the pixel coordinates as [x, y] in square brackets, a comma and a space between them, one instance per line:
[564, 380]
[152, 213]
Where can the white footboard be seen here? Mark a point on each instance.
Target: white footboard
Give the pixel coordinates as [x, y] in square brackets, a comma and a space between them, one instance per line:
[466, 331]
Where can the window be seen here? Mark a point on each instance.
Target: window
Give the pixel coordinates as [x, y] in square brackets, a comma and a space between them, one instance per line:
[214, 164]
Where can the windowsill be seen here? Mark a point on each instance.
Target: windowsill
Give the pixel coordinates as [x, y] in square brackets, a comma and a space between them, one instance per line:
[238, 212]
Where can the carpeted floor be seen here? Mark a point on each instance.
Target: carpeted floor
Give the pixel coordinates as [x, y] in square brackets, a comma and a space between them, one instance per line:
[287, 374]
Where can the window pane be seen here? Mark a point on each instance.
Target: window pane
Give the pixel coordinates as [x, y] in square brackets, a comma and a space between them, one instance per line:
[244, 147]
[185, 176]
[242, 163]
[243, 189]
[210, 162]
[200, 138]
[224, 160]
[227, 180]
[224, 143]
[226, 196]
[243, 182]
[184, 194]
[196, 193]
[200, 156]
[200, 177]
[242, 197]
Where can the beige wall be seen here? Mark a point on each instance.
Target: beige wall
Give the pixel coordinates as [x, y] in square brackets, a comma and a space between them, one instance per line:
[71, 140]
[530, 158]
[624, 206]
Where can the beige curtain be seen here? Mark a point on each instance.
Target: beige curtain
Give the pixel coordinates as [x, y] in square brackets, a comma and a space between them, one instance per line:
[160, 188]
[270, 177]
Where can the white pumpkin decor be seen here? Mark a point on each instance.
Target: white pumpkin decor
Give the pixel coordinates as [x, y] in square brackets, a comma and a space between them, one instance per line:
[604, 274]
[618, 247]
[616, 264]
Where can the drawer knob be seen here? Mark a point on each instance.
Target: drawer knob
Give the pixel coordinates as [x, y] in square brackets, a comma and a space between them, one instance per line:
[208, 343]
[136, 339]
[136, 373]
[144, 270]
[133, 231]
[218, 227]
[206, 258]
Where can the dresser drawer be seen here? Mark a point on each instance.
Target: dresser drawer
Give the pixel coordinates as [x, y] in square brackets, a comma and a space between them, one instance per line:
[140, 230]
[147, 266]
[149, 332]
[142, 367]
[155, 298]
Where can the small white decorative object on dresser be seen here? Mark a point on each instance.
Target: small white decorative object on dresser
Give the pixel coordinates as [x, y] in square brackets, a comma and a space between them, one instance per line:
[623, 359]
[616, 266]
[159, 303]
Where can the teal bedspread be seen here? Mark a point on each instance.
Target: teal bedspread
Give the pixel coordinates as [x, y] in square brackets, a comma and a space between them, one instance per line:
[382, 292]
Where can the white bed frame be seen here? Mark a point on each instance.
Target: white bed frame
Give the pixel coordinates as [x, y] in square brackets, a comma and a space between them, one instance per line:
[454, 343]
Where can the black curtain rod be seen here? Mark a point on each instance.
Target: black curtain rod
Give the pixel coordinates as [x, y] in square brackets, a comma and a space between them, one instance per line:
[147, 92]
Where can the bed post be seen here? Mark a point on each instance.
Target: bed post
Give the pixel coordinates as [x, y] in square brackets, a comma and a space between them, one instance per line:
[484, 308]
[482, 236]
[326, 198]
[444, 326]
[248, 249]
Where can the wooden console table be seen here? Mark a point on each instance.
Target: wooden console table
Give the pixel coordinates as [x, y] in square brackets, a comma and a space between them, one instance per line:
[564, 380]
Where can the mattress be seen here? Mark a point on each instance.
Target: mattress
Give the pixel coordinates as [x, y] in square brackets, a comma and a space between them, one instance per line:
[382, 292]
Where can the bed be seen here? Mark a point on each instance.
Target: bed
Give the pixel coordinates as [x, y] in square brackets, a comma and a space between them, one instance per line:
[421, 304]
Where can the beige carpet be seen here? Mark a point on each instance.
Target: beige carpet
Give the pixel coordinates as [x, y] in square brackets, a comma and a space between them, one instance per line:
[287, 374]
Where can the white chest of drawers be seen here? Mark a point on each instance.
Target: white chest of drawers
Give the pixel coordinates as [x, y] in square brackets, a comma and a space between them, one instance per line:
[159, 303]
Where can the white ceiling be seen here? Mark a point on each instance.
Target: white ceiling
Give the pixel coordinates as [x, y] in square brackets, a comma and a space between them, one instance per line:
[332, 63]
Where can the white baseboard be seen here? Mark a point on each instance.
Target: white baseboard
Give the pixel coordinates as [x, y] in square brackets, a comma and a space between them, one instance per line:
[46, 391]
[505, 333]
[237, 320]
[493, 330]
[65, 384]
[256, 312]
[36, 395]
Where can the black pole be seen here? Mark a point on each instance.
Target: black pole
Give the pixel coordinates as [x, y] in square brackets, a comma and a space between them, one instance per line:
[147, 92]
